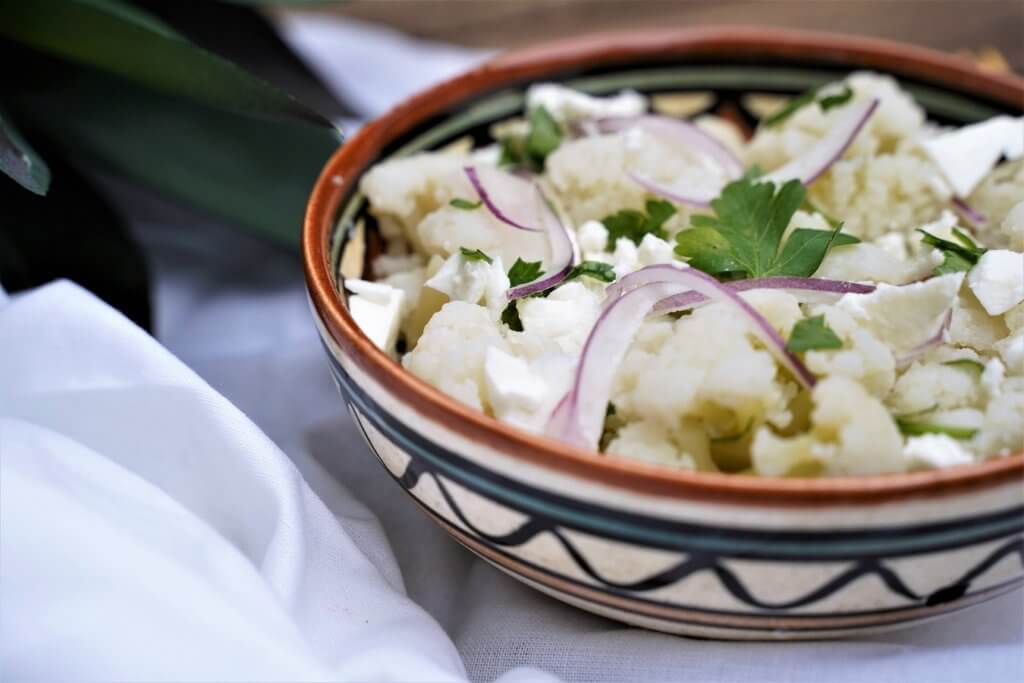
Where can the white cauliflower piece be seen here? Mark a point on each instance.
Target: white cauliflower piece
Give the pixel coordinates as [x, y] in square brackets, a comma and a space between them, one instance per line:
[1013, 227]
[996, 197]
[972, 326]
[935, 450]
[567, 105]
[865, 262]
[927, 385]
[851, 434]
[450, 353]
[780, 308]
[447, 229]
[562, 320]
[1002, 431]
[863, 357]
[684, 446]
[1011, 350]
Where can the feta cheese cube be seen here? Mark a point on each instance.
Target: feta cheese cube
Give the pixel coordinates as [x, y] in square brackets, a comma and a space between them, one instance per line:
[377, 309]
[592, 237]
[568, 105]
[965, 156]
[998, 280]
[524, 392]
[654, 250]
[935, 450]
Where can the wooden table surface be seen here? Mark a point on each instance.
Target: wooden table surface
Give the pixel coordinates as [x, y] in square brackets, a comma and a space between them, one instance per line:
[944, 24]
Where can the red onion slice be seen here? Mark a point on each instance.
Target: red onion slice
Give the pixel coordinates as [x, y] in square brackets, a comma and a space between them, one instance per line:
[509, 198]
[562, 251]
[665, 272]
[809, 166]
[913, 354]
[680, 132]
[694, 197]
[976, 218]
[579, 417]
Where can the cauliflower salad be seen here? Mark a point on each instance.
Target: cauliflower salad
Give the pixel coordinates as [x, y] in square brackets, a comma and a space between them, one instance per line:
[840, 292]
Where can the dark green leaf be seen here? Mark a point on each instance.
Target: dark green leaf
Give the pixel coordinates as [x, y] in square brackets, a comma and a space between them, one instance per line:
[513, 152]
[706, 250]
[73, 234]
[966, 364]
[510, 316]
[966, 240]
[913, 428]
[254, 172]
[812, 334]
[837, 100]
[522, 272]
[116, 37]
[805, 249]
[633, 224]
[597, 270]
[20, 161]
[475, 255]
[956, 257]
[544, 137]
[952, 263]
[465, 204]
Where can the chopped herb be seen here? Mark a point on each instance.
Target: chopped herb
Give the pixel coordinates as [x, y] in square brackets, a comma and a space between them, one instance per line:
[837, 100]
[612, 424]
[465, 204]
[812, 334]
[753, 173]
[633, 224]
[510, 316]
[913, 428]
[955, 257]
[594, 269]
[522, 272]
[475, 255]
[733, 438]
[966, 364]
[745, 236]
[919, 413]
[530, 151]
[797, 103]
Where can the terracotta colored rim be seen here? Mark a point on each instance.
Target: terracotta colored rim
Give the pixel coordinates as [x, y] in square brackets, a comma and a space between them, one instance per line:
[344, 168]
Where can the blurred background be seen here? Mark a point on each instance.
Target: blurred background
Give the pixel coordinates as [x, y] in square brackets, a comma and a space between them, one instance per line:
[220, 113]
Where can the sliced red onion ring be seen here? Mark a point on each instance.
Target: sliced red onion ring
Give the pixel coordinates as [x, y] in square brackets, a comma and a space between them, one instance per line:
[579, 417]
[562, 252]
[508, 197]
[931, 342]
[678, 131]
[695, 197]
[809, 166]
[665, 272]
[974, 217]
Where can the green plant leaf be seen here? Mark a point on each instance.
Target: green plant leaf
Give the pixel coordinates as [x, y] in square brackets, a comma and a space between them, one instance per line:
[254, 172]
[71, 233]
[20, 161]
[598, 270]
[522, 272]
[633, 224]
[805, 249]
[544, 137]
[475, 255]
[116, 37]
[707, 250]
[812, 334]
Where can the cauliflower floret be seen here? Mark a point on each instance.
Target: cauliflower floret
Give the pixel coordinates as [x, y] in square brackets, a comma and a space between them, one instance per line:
[866, 262]
[447, 229]
[587, 174]
[862, 357]
[388, 264]
[925, 386]
[685, 446]
[727, 383]
[997, 194]
[903, 317]
[851, 434]
[567, 105]
[1014, 318]
[1013, 227]
[1011, 350]
[1002, 431]
[451, 351]
[779, 308]
[935, 450]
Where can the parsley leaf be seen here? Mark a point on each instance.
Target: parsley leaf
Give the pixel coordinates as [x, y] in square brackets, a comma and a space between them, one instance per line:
[955, 257]
[593, 269]
[465, 204]
[475, 255]
[914, 428]
[633, 224]
[543, 137]
[797, 103]
[812, 334]
[746, 234]
[522, 272]
[510, 316]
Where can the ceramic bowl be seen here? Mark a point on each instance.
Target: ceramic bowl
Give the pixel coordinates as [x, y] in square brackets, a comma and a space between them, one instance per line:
[723, 556]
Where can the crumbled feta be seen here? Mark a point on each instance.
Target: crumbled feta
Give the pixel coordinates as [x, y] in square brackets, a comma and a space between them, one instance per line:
[524, 392]
[998, 280]
[568, 105]
[992, 377]
[1011, 349]
[592, 237]
[377, 309]
[935, 450]
[654, 250]
[626, 257]
[905, 316]
[965, 156]
[562, 320]
[472, 281]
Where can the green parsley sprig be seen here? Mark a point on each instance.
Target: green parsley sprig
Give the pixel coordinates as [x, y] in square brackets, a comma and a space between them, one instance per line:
[812, 334]
[475, 255]
[959, 256]
[543, 137]
[797, 103]
[633, 224]
[745, 237]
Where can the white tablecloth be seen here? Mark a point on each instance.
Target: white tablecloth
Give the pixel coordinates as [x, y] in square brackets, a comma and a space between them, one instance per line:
[149, 531]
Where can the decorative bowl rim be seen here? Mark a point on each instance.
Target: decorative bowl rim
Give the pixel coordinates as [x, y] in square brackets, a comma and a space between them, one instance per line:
[343, 170]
